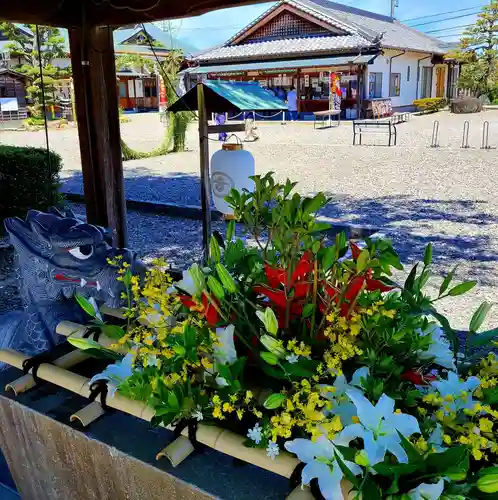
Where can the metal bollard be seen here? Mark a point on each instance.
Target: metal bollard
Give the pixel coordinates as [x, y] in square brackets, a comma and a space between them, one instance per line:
[435, 135]
[465, 137]
[283, 118]
[485, 136]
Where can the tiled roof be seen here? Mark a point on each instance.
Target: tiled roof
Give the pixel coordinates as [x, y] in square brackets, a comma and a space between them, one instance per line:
[287, 46]
[395, 34]
[364, 28]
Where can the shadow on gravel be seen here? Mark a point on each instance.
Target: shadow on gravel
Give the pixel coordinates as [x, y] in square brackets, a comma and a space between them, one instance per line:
[413, 223]
[177, 187]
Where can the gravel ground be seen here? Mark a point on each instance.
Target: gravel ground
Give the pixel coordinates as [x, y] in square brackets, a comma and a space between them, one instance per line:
[413, 193]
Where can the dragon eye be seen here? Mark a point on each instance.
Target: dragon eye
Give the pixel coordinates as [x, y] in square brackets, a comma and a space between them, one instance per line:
[83, 252]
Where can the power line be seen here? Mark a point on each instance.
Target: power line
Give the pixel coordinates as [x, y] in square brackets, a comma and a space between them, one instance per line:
[448, 29]
[453, 34]
[445, 19]
[441, 14]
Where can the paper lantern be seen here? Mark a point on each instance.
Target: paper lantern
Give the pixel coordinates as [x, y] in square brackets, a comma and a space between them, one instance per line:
[231, 167]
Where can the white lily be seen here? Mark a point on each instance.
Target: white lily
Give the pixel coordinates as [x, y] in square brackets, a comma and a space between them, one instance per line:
[342, 404]
[321, 463]
[378, 428]
[187, 284]
[224, 351]
[439, 350]
[427, 491]
[457, 394]
[95, 307]
[116, 373]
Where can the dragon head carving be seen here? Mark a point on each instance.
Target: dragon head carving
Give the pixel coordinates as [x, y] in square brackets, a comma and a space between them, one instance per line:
[60, 256]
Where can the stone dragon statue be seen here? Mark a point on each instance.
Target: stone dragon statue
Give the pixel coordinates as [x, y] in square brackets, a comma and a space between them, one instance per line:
[58, 257]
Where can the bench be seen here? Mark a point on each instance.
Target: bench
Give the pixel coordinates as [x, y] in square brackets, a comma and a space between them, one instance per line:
[329, 113]
[374, 127]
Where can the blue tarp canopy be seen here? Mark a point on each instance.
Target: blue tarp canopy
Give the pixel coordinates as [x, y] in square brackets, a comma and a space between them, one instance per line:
[221, 97]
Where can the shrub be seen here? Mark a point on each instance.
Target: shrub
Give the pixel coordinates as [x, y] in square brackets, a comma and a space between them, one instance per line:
[430, 104]
[25, 182]
[34, 122]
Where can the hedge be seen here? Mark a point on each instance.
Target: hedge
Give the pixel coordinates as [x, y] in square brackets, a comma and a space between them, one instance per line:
[25, 182]
[430, 104]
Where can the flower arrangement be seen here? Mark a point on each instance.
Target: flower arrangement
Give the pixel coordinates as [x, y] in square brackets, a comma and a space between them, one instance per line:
[308, 345]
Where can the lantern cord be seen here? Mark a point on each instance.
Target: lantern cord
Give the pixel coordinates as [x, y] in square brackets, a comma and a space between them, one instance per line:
[237, 138]
[38, 42]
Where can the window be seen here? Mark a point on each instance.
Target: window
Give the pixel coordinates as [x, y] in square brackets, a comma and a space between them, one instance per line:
[375, 85]
[3, 92]
[395, 85]
[122, 89]
[408, 73]
[426, 89]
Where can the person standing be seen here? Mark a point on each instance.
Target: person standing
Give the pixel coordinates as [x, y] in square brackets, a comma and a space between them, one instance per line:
[292, 103]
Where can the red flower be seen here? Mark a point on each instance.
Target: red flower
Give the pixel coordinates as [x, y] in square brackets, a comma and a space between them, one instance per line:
[355, 250]
[210, 311]
[418, 378]
[276, 276]
[276, 296]
[373, 285]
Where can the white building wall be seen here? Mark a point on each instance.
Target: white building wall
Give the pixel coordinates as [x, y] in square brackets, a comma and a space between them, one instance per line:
[408, 88]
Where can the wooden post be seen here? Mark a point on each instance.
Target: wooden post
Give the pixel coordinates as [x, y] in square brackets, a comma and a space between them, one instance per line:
[205, 180]
[96, 100]
[359, 90]
[298, 91]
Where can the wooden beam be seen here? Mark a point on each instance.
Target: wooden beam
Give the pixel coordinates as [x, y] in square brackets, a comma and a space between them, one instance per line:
[92, 59]
[204, 166]
[232, 127]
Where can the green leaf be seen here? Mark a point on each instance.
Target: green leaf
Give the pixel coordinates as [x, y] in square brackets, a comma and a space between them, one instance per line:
[225, 372]
[274, 401]
[173, 402]
[113, 331]
[479, 317]
[303, 368]
[190, 336]
[348, 453]
[484, 338]
[413, 455]
[428, 255]
[230, 230]
[312, 205]
[319, 226]
[488, 470]
[446, 282]
[362, 261]
[214, 249]
[269, 358]
[462, 288]
[85, 305]
[370, 490]
[328, 258]
[308, 310]
[226, 278]
[216, 287]
[346, 471]
[451, 457]
[410, 280]
[393, 470]
[93, 348]
[316, 246]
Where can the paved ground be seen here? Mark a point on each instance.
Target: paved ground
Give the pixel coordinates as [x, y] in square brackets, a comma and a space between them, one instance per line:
[412, 192]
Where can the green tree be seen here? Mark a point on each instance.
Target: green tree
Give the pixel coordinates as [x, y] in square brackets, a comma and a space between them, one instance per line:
[478, 52]
[24, 45]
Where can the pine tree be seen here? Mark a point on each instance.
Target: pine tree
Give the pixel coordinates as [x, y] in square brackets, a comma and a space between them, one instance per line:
[23, 44]
[479, 53]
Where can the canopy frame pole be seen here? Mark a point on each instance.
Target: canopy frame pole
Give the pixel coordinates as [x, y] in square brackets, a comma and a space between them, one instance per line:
[204, 167]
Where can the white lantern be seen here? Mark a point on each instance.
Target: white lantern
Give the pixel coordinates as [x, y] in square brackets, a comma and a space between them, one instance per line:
[231, 167]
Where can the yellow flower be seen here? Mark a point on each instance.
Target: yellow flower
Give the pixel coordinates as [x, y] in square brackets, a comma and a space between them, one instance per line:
[206, 363]
[355, 419]
[216, 400]
[485, 425]
[217, 413]
[248, 397]
[228, 407]
[446, 439]
[240, 413]
[233, 398]
[421, 444]
[336, 424]
[257, 413]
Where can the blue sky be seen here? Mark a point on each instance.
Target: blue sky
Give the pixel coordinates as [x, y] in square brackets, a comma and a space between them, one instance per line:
[216, 27]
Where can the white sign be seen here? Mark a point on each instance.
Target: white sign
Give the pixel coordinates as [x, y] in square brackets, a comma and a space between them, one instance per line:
[306, 80]
[131, 88]
[348, 78]
[9, 104]
[139, 88]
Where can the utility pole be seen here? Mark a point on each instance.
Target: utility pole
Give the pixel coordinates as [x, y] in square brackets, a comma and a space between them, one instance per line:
[394, 4]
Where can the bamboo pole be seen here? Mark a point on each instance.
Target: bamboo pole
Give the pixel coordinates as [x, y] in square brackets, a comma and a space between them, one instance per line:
[220, 440]
[27, 381]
